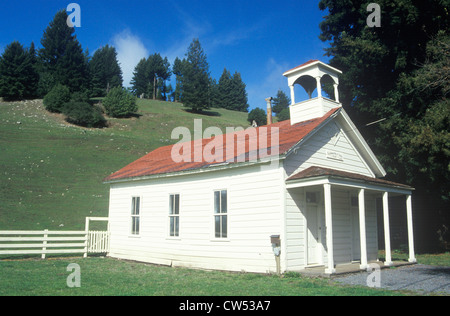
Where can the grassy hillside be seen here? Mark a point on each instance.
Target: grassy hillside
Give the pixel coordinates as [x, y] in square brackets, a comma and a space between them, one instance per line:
[51, 172]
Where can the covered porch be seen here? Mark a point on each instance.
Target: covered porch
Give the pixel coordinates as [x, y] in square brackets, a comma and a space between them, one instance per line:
[343, 234]
[353, 267]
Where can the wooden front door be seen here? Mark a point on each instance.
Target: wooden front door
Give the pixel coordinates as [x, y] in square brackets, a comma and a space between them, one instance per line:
[313, 232]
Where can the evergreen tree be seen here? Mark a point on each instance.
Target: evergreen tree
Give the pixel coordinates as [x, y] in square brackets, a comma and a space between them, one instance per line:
[61, 55]
[280, 102]
[32, 74]
[178, 71]
[105, 71]
[231, 92]
[150, 75]
[214, 93]
[157, 72]
[196, 79]
[239, 94]
[139, 81]
[224, 90]
[18, 77]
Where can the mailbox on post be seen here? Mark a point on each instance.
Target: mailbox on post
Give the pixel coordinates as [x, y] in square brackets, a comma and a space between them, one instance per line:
[276, 248]
[275, 240]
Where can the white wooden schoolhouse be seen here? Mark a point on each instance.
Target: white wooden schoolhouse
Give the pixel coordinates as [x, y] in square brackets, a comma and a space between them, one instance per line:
[305, 196]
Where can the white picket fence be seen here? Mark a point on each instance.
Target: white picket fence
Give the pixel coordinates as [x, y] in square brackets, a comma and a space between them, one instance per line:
[43, 242]
[98, 241]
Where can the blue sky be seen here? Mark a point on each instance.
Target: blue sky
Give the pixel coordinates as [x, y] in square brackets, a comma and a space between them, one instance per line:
[260, 39]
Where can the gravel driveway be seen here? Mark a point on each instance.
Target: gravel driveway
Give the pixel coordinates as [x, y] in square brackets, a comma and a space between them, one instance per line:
[421, 278]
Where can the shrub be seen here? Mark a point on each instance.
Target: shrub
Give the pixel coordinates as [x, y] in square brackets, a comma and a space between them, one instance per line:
[258, 115]
[54, 100]
[80, 97]
[83, 114]
[119, 103]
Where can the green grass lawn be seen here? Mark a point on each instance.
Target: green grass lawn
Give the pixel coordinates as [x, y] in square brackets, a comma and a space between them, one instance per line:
[51, 172]
[111, 277]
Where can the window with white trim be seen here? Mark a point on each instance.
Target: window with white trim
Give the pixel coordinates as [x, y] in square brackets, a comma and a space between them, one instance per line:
[220, 214]
[135, 214]
[174, 215]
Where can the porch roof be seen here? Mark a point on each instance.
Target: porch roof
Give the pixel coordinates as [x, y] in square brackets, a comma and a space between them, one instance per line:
[316, 172]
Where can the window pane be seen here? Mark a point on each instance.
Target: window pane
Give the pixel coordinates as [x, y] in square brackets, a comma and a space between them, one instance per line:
[217, 226]
[311, 197]
[135, 225]
[136, 205]
[177, 226]
[177, 203]
[216, 202]
[171, 226]
[224, 226]
[171, 204]
[133, 206]
[223, 201]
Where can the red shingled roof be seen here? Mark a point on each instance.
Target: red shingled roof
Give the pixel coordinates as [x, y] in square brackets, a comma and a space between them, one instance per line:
[160, 160]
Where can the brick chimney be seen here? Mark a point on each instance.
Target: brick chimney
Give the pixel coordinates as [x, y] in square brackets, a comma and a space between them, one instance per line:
[269, 110]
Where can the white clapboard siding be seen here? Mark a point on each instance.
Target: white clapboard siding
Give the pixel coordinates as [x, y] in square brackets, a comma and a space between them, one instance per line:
[295, 229]
[329, 148]
[343, 231]
[254, 214]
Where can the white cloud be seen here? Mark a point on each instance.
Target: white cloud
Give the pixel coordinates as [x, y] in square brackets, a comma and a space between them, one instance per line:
[130, 50]
[272, 80]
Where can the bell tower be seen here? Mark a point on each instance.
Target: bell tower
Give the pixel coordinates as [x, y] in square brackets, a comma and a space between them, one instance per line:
[313, 75]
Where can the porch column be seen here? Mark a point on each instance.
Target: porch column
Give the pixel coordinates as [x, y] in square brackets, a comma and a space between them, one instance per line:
[292, 94]
[412, 257]
[319, 87]
[362, 229]
[336, 92]
[329, 228]
[387, 235]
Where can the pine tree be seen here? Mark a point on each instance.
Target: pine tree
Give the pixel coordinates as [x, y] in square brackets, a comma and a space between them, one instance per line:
[231, 92]
[32, 74]
[150, 75]
[139, 82]
[239, 94]
[105, 71]
[280, 102]
[62, 56]
[18, 77]
[196, 79]
[157, 72]
[224, 90]
[178, 71]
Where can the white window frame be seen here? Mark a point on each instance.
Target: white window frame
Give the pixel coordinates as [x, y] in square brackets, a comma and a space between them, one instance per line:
[133, 231]
[221, 215]
[172, 233]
